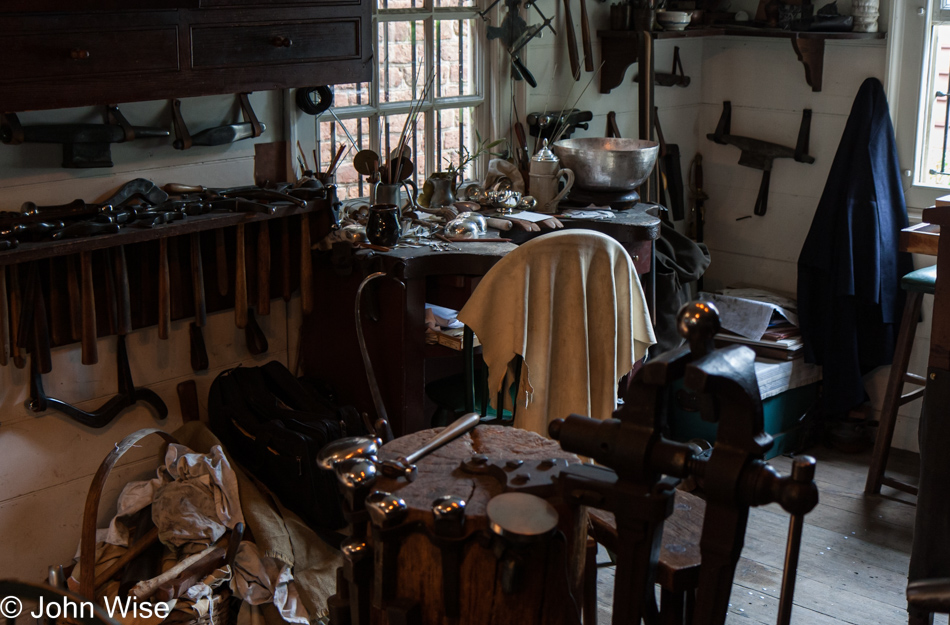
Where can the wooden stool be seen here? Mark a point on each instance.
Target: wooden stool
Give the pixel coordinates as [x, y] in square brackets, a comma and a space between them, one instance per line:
[917, 284]
[678, 569]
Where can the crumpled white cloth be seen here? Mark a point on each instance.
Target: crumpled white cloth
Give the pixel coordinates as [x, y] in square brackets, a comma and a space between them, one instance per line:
[259, 580]
[570, 303]
[589, 213]
[194, 498]
[201, 502]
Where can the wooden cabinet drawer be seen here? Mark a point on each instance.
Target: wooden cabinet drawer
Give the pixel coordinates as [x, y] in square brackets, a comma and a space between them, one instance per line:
[640, 254]
[229, 45]
[208, 4]
[47, 55]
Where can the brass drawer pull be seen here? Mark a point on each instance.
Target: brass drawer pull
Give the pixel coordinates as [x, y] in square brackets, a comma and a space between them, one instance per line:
[79, 55]
[282, 42]
[636, 258]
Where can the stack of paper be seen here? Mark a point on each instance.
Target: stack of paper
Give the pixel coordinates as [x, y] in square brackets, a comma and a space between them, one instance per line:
[763, 320]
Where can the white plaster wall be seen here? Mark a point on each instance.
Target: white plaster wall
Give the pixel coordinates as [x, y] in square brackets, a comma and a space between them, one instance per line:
[46, 460]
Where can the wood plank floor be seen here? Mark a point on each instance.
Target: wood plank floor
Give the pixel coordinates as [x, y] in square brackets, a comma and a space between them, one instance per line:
[854, 556]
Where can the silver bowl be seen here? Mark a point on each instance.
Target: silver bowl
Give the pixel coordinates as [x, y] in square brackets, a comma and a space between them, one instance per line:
[609, 165]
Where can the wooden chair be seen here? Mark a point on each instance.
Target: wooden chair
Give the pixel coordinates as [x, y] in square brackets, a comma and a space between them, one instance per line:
[917, 284]
[678, 566]
[925, 598]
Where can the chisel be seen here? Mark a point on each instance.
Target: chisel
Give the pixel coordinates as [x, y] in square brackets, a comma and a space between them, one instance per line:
[75, 299]
[286, 288]
[585, 39]
[123, 323]
[263, 268]
[90, 351]
[164, 301]
[56, 333]
[19, 359]
[199, 353]
[221, 264]
[41, 349]
[571, 41]
[240, 280]
[4, 321]
[175, 281]
[306, 269]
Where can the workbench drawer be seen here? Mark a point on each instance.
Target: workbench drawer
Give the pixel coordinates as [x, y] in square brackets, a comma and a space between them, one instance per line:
[46, 55]
[275, 43]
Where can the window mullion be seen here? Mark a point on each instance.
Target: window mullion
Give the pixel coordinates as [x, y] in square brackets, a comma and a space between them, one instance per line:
[431, 159]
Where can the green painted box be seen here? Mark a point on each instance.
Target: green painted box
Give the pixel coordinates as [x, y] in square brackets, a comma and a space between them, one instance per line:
[782, 416]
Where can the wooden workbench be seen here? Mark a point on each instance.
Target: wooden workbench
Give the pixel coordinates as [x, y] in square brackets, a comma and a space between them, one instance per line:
[394, 312]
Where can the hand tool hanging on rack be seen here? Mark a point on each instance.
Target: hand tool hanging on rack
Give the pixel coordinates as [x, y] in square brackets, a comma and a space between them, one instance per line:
[612, 130]
[15, 304]
[286, 287]
[515, 34]
[669, 160]
[220, 135]
[240, 279]
[41, 338]
[547, 125]
[4, 320]
[175, 280]
[199, 353]
[585, 38]
[84, 145]
[759, 154]
[221, 262]
[164, 291]
[127, 394]
[90, 350]
[263, 268]
[253, 334]
[695, 229]
[306, 266]
[59, 333]
[244, 192]
[571, 41]
[74, 298]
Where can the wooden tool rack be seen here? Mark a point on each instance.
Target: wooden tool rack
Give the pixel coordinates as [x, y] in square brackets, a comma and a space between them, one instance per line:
[141, 246]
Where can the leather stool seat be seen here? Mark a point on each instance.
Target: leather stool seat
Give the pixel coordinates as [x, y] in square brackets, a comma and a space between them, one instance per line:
[921, 280]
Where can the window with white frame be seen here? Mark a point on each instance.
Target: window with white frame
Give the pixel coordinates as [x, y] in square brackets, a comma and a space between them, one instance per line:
[919, 70]
[415, 39]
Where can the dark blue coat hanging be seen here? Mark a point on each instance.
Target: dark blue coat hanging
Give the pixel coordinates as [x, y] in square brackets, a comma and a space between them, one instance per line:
[849, 296]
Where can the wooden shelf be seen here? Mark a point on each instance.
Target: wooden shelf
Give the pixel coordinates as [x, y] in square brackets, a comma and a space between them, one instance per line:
[619, 48]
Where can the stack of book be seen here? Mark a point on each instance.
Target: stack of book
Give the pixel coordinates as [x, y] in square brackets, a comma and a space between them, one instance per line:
[449, 337]
[764, 321]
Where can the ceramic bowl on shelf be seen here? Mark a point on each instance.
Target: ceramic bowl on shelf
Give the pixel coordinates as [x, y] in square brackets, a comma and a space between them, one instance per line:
[673, 20]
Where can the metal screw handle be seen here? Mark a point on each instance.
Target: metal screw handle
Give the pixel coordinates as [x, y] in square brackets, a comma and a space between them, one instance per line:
[698, 322]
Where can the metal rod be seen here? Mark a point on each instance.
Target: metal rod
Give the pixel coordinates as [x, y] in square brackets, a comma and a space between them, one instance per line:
[367, 362]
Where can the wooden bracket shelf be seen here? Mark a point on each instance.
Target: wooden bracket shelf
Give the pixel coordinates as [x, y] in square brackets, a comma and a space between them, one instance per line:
[619, 49]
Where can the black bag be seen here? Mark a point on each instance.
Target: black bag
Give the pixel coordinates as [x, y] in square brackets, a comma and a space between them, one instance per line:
[274, 425]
